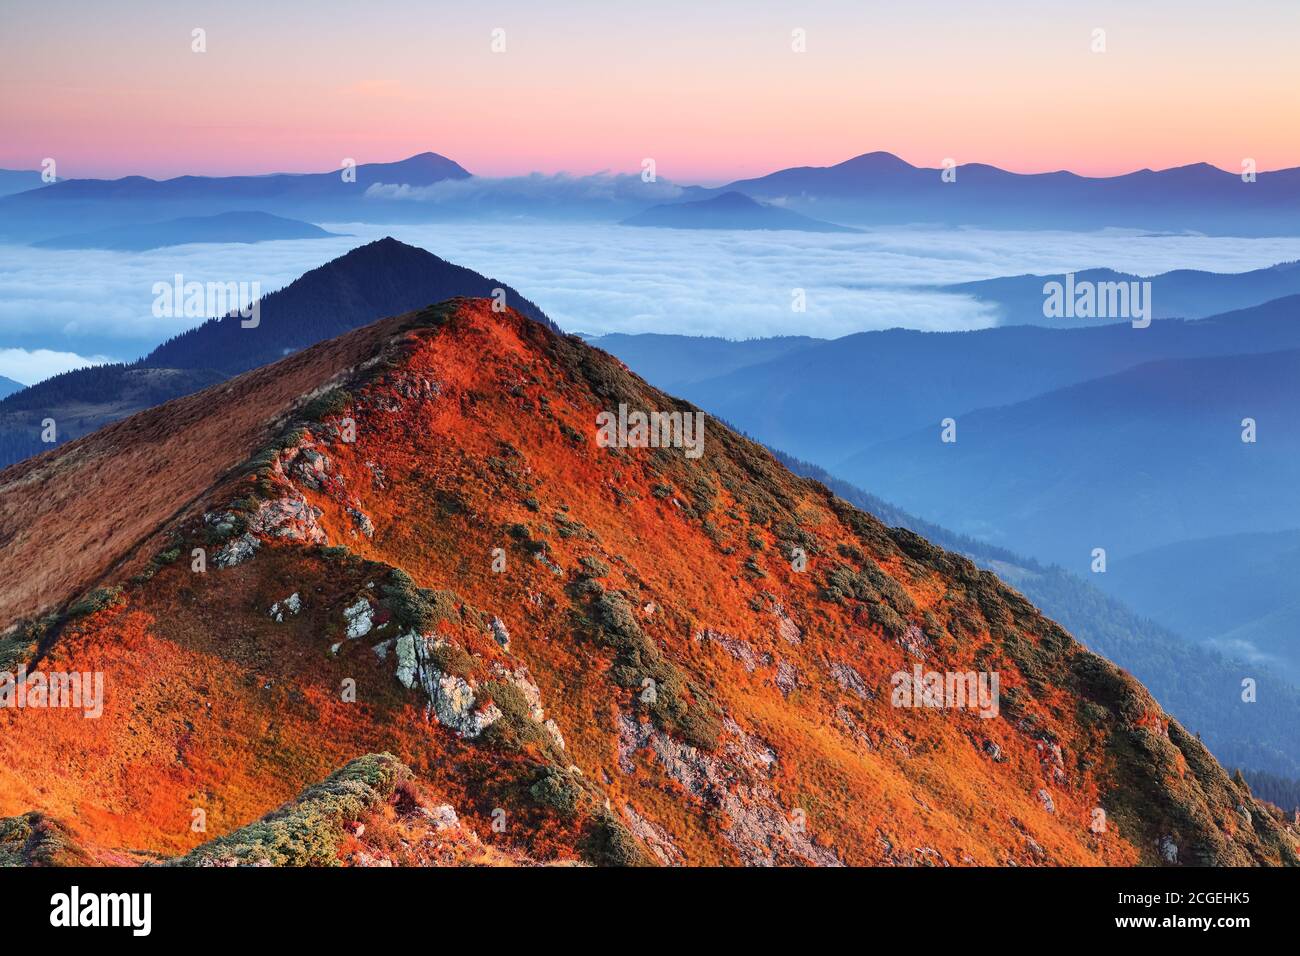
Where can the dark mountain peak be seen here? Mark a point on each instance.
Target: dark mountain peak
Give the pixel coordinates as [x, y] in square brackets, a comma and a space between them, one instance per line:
[381, 278]
[878, 161]
[421, 169]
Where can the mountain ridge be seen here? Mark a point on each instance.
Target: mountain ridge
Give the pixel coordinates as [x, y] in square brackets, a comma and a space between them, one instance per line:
[378, 278]
[616, 639]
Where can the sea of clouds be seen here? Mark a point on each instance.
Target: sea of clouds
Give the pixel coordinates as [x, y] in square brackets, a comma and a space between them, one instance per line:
[61, 309]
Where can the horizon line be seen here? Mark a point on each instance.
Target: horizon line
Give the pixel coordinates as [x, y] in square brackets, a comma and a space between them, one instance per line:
[636, 171]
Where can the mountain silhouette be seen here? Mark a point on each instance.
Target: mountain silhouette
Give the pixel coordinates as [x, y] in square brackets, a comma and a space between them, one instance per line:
[380, 278]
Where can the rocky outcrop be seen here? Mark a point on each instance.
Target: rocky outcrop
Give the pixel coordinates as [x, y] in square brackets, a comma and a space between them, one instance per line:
[451, 699]
[290, 605]
[737, 647]
[500, 634]
[735, 784]
[237, 551]
[847, 677]
[360, 618]
[289, 518]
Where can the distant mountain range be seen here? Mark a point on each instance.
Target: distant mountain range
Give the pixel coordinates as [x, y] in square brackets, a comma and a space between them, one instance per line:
[19, 180]
[1181, 294]
[672, 362]
[75, 204]
[1236, 592]
[8, 386]
[825, 401]
[240, 227]
[1129, 462]
[381, 278]
[731, 210]
[881, 189]
[874, 189]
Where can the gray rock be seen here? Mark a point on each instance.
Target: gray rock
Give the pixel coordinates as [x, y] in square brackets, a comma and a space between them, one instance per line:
[360, 618]
[237, 551]
[1168, 849]
[362, 521]
[500, 633]
[290, 605]
[847, 677]
[787, 678]
[290, 518]
[451, 699]
[737, 647]
[786, 627]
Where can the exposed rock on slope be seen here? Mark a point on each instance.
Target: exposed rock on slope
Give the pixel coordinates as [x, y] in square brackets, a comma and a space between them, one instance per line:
[609, 655]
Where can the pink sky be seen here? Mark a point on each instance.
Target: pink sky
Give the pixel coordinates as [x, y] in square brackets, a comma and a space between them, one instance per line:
[712, 95]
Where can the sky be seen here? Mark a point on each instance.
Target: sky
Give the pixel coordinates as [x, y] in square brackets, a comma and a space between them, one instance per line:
[711, 92]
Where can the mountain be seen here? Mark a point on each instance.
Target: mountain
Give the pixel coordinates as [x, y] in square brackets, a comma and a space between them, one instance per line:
[836, 399]
[881, 189]
[1199, 685]
[1182, 293]
[380, 278]
[1129, 462]
[672, 361]
[19, 180]
[243, 227]
[79, 205]
[8, 386]
[1247, 607]
[731, 210]
[421, 170]
[415, 545]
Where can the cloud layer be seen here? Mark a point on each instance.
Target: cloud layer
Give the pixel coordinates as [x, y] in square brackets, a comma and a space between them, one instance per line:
[600, 278]
[30, 367]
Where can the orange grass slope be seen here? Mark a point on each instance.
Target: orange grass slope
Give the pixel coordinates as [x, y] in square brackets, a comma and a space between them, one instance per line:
[412, 542]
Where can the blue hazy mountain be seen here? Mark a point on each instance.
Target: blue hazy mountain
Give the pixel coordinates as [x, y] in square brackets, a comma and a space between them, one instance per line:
[872, 189]
[826, 402]
[20, 180]
[378, 279]
[238, 227]
[77, 205]
[1182, 293]
[1129, 462]
[731, 210]
[881, 189]
[672, 361]
[8, 386]
[1198, 684]
[421, 170]
[1249, 606]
